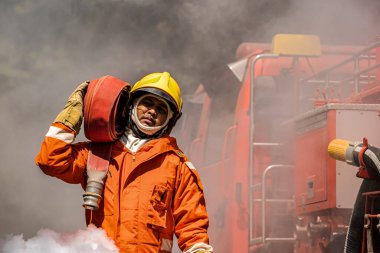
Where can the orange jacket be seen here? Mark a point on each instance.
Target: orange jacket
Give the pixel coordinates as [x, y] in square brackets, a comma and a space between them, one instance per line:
[148, 195]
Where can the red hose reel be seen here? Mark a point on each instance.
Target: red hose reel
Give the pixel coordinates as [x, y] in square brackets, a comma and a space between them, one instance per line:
[105, 111]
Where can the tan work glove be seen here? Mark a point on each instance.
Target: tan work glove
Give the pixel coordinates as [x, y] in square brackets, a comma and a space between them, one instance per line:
[72, 114]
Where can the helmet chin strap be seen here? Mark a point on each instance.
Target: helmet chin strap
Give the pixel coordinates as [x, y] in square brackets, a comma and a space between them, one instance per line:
[147, 129]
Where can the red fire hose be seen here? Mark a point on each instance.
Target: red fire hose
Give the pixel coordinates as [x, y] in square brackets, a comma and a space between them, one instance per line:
[104, 109]
[105, 117]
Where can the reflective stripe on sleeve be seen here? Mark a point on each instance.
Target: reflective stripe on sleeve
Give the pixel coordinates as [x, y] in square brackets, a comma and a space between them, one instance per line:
[60, 134]
[166, 245]
[190, 165]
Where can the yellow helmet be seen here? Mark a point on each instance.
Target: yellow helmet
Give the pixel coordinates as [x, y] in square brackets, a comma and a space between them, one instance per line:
[163, 85]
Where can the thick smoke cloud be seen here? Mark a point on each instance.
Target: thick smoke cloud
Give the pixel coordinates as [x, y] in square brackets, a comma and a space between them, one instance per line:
[336, 22]
[47, 47]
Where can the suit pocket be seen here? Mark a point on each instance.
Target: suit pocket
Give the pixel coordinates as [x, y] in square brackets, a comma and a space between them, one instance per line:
[158, 206]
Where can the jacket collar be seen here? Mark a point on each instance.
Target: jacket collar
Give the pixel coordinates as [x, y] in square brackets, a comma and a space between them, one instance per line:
[152, 147]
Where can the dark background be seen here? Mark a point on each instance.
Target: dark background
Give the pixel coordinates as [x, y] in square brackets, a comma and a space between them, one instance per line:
[48, 47]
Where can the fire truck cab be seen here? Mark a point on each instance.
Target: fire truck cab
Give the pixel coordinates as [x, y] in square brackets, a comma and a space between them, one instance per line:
[257, 131]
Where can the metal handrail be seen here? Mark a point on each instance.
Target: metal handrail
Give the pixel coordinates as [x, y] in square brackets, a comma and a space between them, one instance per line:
[264, 200]
[251, 132]
[339, 82]
[350, 59]
[358, 73]
[263, 195]
[224, 157]
[191, 148]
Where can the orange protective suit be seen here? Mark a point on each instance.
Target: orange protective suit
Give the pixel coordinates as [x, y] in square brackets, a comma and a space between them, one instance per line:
[148, 195]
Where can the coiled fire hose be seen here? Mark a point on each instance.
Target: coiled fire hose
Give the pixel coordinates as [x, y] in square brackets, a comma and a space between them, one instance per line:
[105, 117]
[104, 109]
[366, 157]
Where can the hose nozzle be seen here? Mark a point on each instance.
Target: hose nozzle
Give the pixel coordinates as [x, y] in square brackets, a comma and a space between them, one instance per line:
[337, 149]
[93, 195]
[343, 150]
[97, 168]
[358, 154]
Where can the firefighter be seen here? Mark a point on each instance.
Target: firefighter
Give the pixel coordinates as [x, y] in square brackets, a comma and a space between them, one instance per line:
[151, 189]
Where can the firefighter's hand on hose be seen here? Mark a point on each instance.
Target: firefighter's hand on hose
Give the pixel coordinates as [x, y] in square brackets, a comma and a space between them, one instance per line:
[72, 114]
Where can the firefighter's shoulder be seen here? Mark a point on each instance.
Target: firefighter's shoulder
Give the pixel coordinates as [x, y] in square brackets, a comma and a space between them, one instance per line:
[190, 166]
[180, 154]
[185, 159]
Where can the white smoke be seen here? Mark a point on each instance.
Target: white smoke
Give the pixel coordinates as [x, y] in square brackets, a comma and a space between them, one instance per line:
[89, 240]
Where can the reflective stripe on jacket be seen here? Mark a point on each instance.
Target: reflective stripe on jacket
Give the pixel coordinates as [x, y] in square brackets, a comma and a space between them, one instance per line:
[148, 195]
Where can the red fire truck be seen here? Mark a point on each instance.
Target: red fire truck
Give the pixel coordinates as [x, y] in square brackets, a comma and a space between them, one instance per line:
[258, 132]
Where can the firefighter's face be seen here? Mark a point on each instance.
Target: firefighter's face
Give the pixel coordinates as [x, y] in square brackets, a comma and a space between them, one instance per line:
[151, 111]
